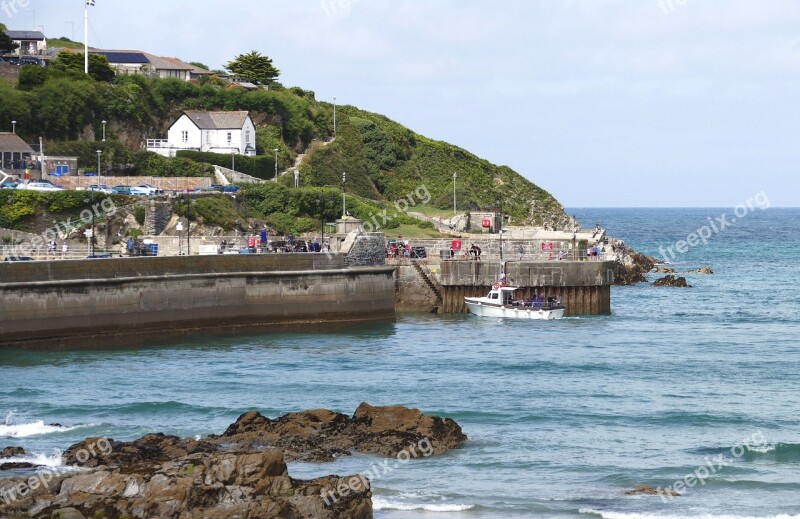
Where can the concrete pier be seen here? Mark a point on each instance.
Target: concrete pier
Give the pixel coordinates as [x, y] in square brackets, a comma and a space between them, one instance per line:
[129, 301]
[441, 286]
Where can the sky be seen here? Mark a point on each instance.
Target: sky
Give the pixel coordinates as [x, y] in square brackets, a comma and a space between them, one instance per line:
[604, 103]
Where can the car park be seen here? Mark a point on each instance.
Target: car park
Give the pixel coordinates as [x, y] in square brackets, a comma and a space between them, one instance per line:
[9, 185]
[128, 190]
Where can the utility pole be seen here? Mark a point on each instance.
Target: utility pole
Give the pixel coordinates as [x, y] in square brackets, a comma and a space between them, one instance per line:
[344, 196]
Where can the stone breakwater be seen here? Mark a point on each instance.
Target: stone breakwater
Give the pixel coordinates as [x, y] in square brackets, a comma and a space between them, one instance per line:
[240, 473]
[128, 301]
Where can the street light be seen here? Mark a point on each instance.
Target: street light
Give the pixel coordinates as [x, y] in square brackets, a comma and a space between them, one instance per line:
[104, 130]
[233, 160]
[99, 175]
[14, 126]
[321, 204]
[334, 117]
[344, 197]
[500, 205]
[455, 176]
[276, 164]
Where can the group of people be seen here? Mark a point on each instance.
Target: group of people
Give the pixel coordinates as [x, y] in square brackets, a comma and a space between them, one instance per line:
[52, 248]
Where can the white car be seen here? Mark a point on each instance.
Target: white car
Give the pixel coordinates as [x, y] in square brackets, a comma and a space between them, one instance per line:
[39, 185]
[151, 189]
[101, 188]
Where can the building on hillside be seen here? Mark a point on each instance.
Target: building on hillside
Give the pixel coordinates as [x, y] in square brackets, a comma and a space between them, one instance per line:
[215, 132]
[245, 85]
[135, 62]
[16, 157]
[31, 43]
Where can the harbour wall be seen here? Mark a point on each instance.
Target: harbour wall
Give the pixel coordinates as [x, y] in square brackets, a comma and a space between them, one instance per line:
[135, 301]
[584, 286]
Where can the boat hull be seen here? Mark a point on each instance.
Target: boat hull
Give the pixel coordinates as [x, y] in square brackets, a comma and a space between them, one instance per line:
[540, 314]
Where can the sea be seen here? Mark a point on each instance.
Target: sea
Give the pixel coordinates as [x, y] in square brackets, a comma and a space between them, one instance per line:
[690, 389]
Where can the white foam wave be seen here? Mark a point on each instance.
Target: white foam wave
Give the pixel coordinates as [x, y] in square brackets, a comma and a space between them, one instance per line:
[384, 504]
[23, 430]
[54, 460]
[623, 515]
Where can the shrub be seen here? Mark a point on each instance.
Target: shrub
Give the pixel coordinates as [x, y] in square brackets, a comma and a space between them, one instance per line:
[139, 214]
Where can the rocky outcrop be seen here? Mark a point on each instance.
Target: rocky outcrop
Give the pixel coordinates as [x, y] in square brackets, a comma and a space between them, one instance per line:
[704, 270]
[672, 281]
[630, 266]
[665, 270]
[241, 473]
[647, 490]
[322, 435]
[200, 485]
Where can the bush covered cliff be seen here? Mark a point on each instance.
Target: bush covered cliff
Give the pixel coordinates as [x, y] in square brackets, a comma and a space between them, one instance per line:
[384, 161]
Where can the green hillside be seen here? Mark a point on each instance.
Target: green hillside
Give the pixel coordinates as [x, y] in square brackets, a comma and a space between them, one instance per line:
[383, 160]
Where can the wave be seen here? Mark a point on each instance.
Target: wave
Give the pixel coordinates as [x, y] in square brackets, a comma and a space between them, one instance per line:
[54, 460]
[627, 515]
[24, 430]
[385, 504]
[778, 452]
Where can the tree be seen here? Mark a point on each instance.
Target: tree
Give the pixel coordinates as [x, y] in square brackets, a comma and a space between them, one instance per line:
[6, 44]
[199, 65]
[99, 69]
[253, 67]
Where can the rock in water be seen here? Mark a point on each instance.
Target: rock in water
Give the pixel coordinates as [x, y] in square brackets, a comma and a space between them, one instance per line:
[672, 281]
[665, 270]
[647, 490]
[704, 270]
[10, 452]
[322, 435]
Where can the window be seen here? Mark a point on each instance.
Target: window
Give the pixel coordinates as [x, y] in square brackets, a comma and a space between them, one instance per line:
[185, 136]
[230, 138]
[247, 136]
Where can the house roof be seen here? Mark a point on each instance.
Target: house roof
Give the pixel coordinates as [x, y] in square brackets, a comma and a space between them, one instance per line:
[26, 35]
[10, 142]
[123, 56]
[218, 120]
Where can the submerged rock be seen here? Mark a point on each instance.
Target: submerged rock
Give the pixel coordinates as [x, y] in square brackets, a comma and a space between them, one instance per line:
[322, 435]
[672, 281]
[647, 490]
[665, 270]
[704, 270]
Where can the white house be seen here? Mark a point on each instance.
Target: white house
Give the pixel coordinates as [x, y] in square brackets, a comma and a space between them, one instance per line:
[216, 132]
[133, 62]
[31, 43]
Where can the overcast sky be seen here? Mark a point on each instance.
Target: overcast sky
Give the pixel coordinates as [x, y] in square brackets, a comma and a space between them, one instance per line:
[610, 103]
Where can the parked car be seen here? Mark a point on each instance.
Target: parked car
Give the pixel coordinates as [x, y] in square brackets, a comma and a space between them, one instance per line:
[19, 258]
[128, 190]
[31, 60]
[39, 185]
[9, 185]
[12, 60]
[150, 189]
[102, 188]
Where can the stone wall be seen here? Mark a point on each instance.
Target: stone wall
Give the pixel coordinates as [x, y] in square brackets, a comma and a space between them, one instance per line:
[412, 294]
[369, 249]
[116, 302]
[156, 217]
[8, 71]
[165, 183]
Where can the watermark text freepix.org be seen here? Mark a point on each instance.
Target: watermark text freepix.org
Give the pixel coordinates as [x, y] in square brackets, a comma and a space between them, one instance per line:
[361, 482]
[715, 226]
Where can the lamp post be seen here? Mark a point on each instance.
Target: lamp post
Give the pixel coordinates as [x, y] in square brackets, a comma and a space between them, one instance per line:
[188, 226]
[344, 196]
[455, 176]
[233, 160]
[99, 175]
[334, 117]
[500, 230]
[321, 204]
[14, 126]
[276, 164]
[104, 130]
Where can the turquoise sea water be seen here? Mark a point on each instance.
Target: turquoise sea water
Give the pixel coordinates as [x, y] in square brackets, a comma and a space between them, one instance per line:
[563, 416]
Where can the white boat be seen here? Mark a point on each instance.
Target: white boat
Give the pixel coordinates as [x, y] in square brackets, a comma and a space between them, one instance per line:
[501, 303]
